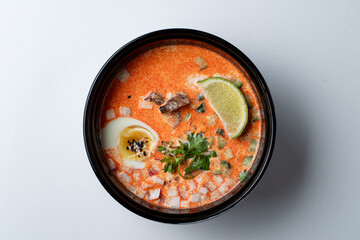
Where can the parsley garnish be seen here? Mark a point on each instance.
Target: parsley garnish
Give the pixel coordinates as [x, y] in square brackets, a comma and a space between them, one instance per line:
[194, 149]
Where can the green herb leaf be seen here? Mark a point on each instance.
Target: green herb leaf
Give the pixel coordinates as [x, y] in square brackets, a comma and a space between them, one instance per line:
[201, 108]
[161, 148]
[213, 153]
[225, 164]
[256, 119]
[202, 162]
[195, 148]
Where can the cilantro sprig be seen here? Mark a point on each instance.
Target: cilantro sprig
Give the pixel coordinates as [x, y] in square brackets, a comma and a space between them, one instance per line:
[196, 149]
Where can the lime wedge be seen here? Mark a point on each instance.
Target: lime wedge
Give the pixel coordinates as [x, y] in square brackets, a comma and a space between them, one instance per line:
[228, 102]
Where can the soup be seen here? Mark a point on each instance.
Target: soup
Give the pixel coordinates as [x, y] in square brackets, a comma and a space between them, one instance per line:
[163, 138]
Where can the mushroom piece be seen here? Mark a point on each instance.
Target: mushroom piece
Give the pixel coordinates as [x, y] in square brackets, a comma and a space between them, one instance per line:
[155, 97]
[173, 119]
[177, 101]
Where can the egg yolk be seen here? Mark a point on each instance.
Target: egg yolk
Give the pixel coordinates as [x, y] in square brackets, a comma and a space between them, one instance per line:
[136, 143]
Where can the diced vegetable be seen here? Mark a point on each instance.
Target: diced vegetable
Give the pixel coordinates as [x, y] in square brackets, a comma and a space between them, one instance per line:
[210, 185]
[253, 145]
[193, 103]
[223, 188]
[221, 142]
[184, 204]
[255, 115]
[201, 108]
[243, 176]
[203, 190]
[154, 194]
[238, 83]
[145, 104]
[247, 161]
[248, 101]
[124, 178]
[125, 111]
[172, 191]
[122, 75]
[220, 132]
[218, 180]
[195, 198]
[175, 202]
[201, 97]
[228, 154]
[212, 120]
[158, 180]
[217, 172]
[110, 114]
[187, 117]
[211, 141]
[200, 62]
[226, 172]
[225, 164]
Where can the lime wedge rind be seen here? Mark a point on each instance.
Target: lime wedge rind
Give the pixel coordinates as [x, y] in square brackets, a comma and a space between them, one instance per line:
[238, 107]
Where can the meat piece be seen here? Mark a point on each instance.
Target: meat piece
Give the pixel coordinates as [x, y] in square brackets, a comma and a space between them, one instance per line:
[177, 101]
[155, 97]
[173, 119]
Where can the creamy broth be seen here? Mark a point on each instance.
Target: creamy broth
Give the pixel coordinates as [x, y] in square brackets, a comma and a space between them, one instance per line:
[168, 70]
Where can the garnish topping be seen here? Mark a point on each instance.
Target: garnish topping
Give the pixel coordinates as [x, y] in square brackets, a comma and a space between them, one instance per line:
[201, 108]
[196, 149]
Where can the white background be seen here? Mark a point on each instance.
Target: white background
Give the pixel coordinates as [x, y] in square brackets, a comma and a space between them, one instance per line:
[308, 52]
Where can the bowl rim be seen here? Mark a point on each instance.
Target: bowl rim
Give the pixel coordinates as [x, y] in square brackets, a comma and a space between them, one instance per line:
[257, 79]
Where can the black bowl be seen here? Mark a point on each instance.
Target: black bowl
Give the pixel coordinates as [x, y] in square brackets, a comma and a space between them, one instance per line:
[92, 128]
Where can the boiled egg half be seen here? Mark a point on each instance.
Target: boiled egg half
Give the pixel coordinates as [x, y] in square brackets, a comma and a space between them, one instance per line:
[134, 140]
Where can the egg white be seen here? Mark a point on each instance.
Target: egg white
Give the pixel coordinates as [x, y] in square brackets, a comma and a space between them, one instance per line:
[110, 137]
